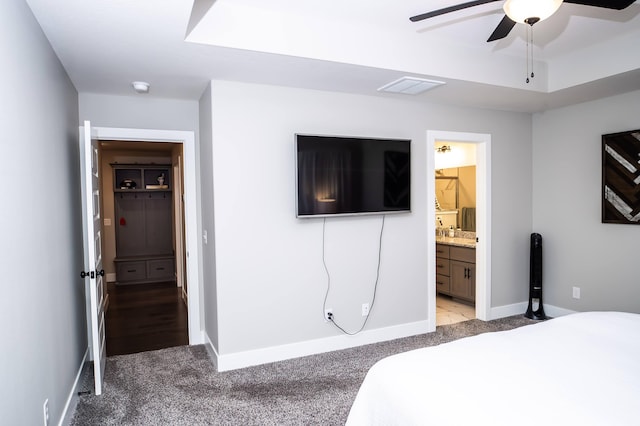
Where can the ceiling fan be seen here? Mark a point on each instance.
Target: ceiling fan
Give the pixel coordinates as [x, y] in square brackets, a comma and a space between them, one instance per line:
[523, 11]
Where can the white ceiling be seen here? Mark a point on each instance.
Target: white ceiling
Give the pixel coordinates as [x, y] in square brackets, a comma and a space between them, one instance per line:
[581, 53]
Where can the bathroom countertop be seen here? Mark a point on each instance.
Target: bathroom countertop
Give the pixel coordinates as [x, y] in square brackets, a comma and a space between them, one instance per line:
[456, 241]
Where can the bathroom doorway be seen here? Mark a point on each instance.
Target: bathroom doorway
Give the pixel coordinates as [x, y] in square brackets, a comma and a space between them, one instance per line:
[471, 251]
[455, 204]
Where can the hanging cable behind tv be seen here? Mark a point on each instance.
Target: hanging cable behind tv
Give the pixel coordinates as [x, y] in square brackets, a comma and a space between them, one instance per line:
[330, 316]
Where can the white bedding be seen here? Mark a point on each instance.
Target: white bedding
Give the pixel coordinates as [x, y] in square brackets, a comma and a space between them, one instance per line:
[581, 369]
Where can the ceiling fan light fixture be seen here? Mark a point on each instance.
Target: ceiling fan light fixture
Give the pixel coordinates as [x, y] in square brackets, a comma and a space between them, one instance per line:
[523, 11]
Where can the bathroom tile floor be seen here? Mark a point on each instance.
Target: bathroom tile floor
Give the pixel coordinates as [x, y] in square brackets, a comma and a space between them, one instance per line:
[449, 311]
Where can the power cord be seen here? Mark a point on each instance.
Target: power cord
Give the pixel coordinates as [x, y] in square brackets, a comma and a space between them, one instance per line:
[329, 316]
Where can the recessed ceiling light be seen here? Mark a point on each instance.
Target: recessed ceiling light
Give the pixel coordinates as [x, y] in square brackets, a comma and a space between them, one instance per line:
[140, 86]
[410, 85]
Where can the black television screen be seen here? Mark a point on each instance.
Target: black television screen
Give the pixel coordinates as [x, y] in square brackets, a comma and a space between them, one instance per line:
[352, 175]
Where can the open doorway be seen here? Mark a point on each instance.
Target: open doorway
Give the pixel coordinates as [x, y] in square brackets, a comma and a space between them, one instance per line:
[143, 246]
[455, 204]
[471, 263]
[191, 235]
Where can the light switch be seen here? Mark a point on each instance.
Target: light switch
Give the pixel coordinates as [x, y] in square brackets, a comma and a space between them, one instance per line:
[107, 221]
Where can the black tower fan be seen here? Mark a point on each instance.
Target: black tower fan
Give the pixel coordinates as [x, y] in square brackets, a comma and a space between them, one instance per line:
[535, 279]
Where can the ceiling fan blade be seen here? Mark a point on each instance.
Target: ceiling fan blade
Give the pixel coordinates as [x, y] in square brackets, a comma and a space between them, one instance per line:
[450, 9]
[607, 4]
[503, 29]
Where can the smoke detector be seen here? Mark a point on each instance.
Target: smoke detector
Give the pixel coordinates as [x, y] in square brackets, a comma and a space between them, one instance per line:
[140, 86]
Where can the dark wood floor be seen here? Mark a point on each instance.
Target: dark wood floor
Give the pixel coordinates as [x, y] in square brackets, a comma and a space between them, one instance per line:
[145, 317]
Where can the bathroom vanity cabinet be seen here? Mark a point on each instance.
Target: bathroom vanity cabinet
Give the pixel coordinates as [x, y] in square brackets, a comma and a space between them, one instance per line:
[456, 271]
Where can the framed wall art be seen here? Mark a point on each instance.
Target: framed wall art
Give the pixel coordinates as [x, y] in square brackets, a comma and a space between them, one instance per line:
[621, 177]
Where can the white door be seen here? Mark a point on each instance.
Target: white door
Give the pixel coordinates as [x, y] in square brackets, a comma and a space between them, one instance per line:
[93, 273]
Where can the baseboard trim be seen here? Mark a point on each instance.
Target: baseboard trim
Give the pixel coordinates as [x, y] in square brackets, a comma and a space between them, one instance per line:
[226, 362]
[521, 308]
[72, 399]
[233, 361]
[509, 310]
[211, 350]
[556, 311]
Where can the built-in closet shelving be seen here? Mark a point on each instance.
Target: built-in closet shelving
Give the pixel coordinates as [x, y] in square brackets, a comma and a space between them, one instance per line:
[143, 215]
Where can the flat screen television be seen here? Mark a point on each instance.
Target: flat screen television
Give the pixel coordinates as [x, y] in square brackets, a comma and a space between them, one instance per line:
[352, 175]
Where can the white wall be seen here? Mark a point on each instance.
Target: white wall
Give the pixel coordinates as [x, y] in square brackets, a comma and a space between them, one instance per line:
[579, 250]
[42, 318]
[270, 278]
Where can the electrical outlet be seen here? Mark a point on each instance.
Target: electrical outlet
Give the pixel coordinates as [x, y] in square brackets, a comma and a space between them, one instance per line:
[576, 292]
[45, 412]
[365, 309]
[328, 314]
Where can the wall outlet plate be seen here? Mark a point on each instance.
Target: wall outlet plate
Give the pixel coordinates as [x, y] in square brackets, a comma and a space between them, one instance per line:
[365, 309]
[326, 314]
[576, 292]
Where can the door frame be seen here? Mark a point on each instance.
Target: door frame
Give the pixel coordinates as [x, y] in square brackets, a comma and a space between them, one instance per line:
[482, 142]
[179, 224]
[192, 246]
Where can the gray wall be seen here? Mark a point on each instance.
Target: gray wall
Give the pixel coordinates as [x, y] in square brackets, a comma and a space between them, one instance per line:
[42, 312]
[138, 112]
[270, 280]
[579, 250]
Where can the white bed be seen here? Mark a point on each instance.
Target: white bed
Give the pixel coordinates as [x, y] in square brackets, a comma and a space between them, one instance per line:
[581, 369]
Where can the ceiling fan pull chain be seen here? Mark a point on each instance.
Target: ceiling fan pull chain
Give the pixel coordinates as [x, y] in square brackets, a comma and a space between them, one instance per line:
[532, 51]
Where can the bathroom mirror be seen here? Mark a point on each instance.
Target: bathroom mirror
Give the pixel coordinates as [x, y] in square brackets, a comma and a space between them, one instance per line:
[455, 190]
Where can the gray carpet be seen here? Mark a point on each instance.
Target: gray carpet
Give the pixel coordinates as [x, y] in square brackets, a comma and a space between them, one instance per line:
[179, 386]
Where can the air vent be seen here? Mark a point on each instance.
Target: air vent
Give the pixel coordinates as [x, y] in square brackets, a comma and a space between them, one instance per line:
[410, 85]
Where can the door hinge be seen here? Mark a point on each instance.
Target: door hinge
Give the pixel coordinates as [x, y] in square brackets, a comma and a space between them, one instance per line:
[92, 274]
[84, 274]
